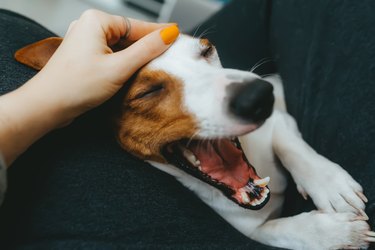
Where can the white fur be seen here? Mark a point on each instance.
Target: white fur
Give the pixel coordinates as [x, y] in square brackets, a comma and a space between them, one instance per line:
[331, 188]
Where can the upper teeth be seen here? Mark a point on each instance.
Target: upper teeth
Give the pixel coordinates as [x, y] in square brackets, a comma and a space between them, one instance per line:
[262, 182]
[191, 157]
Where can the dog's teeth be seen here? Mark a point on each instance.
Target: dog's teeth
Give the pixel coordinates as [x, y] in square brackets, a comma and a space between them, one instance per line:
[190, 156]
[249, 188]
[255, 203]
[266, 191]
[263, 199]
[262, 182]
[244, 197]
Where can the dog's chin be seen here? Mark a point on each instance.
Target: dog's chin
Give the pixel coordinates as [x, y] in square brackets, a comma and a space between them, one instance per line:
[222, 164]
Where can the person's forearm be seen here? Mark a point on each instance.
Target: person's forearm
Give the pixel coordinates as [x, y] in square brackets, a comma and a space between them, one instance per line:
[26, 114]
[82, 73]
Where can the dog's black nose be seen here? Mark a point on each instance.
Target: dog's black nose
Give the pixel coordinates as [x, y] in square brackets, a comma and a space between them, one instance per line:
[251, 101]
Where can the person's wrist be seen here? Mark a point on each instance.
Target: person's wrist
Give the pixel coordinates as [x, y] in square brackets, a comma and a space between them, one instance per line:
[45, 103]
[34, 106]
[26, 115]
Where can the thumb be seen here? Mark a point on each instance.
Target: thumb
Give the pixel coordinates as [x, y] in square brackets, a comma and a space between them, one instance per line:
[126, 62]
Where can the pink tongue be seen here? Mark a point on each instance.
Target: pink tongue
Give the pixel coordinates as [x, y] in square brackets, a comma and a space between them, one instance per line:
[223, 162]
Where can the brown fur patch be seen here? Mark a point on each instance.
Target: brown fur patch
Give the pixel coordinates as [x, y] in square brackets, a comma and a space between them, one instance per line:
[205, 42]
[208, 48]
[149, 122]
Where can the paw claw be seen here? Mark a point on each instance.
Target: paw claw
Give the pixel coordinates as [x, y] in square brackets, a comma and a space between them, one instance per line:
[362, 196]
[370, 233]
[370, 239]
[363, 214]
[302, 192]
[304, 195]
[359, 217]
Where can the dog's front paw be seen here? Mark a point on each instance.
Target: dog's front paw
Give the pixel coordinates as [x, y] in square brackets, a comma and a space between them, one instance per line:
[337, 231]
[331, 188]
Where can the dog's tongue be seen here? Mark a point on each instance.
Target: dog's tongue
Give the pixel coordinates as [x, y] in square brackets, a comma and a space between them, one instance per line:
[224, 162]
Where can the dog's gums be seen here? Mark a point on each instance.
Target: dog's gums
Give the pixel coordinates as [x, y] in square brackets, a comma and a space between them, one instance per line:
[222, 164]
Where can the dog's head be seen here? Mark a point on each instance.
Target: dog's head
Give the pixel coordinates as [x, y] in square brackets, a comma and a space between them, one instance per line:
[183, 108]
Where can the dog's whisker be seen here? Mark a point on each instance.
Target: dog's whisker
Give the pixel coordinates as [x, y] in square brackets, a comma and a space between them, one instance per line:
[265, 75]
[207, 31]
[192, 138]
[203, 144]
[261, 62]
[196, 30]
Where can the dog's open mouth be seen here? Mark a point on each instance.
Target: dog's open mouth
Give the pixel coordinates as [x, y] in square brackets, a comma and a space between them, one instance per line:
[222, 164]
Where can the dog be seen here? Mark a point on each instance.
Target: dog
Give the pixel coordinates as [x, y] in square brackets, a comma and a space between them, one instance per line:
[208, 126]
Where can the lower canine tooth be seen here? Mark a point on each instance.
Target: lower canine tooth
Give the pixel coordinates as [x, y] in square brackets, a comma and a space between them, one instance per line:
[262, 182]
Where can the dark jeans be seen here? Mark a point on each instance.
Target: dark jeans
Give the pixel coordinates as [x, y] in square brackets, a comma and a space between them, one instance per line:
[76, 188]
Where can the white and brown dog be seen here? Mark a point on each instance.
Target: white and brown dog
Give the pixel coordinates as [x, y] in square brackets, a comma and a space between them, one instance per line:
[188, 116]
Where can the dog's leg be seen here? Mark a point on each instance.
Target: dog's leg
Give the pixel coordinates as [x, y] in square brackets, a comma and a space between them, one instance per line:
[316, 231]
[330, 187]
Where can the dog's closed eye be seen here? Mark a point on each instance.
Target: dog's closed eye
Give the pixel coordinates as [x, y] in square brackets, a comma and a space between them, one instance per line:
[151, 91]
[207, 51]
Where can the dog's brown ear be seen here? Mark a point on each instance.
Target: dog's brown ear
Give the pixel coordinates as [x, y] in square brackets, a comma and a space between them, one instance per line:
[36, 55]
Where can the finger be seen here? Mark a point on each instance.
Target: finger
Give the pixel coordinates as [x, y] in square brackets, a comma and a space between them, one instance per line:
[141, 28]
[98, 24]
[72, 24]
[114, 27]
[126, 62]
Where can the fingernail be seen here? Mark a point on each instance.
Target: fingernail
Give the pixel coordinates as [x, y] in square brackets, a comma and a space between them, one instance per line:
[169, 34]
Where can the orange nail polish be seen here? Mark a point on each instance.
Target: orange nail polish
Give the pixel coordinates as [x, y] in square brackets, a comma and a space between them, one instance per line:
[169, 34]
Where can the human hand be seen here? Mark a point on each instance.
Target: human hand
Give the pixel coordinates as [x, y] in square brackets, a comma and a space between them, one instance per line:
[83, 73]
